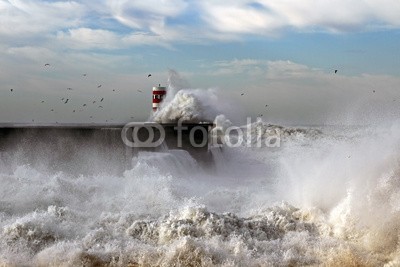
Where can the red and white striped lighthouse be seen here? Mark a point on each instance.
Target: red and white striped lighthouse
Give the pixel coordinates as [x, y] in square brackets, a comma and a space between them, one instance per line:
[158, 96]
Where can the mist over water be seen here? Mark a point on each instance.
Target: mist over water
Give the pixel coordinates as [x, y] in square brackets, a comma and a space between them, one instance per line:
[325, 196]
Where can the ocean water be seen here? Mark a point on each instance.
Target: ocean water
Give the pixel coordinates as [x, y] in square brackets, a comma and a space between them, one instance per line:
[327, 196]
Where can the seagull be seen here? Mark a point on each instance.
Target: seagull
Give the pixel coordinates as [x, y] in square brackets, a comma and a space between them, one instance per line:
[335, 71]
[101, 100]
[66, 101]
[148, 75]
[47, 64]
[99, 86]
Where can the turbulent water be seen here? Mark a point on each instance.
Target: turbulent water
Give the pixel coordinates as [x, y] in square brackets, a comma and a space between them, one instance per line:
[326, 196]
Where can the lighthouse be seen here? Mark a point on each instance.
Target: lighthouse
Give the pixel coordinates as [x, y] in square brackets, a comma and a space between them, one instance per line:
[159, 93]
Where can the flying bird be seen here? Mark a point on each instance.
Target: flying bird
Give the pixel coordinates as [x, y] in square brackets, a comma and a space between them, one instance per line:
[148, 75]
[373, 91]
[84, 105]
[84, 75]
[69, 88]
[94, 102]
[42, 101]
[139, 91]
[266, 105]
[47, 64]
[52, 110]
[113, 90]
[73, 111]
[335, 71]
[66, 101]
[99, 86]
[11, 89]
[100, 106]
[101, 100]
[242, 94]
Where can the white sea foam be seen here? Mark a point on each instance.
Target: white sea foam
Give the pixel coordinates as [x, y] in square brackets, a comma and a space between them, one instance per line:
[333, 201]
[190, 105]
[326, 196]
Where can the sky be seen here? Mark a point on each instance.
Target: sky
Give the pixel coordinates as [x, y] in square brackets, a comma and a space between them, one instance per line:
[277, 53]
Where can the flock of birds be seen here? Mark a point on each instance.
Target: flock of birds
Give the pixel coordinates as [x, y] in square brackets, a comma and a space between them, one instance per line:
[66, 100]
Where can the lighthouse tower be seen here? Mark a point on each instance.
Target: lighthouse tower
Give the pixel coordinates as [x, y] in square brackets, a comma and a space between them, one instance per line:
[159, 93]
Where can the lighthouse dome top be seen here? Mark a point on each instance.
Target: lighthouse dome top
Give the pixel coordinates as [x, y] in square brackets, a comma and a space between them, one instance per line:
[159, 88]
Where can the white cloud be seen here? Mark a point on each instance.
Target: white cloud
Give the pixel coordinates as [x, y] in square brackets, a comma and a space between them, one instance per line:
[85, 38]
[240, 18]
[239, 66]
[284, 69]
[268, 17]
[279, 69]
[30, 17]
[145, 14]
[155, 22]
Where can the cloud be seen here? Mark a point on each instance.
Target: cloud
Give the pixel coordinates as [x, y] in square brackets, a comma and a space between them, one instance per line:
[148, 15]
[86, 38]
[239, 66]
[265, 17]
[28, 17]
[284, 69]
[279, 69]
[139, 14]
[113, 24]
